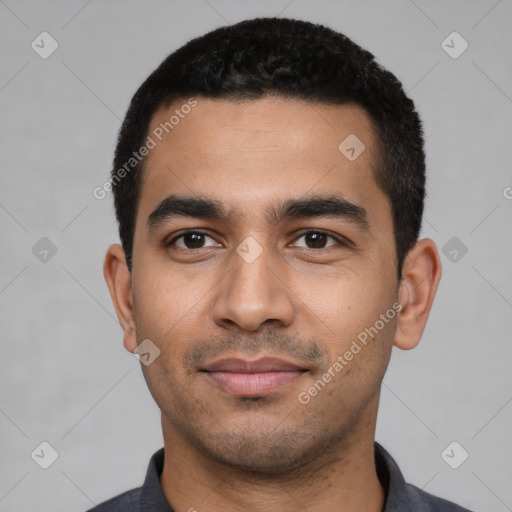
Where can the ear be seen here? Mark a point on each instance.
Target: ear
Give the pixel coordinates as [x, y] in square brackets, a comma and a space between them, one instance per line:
[420, 278]
[119, 283]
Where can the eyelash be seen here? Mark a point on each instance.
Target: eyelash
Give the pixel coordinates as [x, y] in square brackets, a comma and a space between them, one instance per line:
[339, 241]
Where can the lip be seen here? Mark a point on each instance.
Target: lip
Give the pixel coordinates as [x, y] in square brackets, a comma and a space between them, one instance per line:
[252, 378]
[262, 365]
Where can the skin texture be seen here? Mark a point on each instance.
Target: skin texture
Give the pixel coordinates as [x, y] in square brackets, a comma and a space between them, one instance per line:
[296, 301]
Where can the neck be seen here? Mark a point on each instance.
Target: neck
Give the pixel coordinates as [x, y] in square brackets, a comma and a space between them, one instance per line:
[343, 478]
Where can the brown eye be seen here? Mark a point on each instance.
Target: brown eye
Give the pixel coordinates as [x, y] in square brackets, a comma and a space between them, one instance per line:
[315, 239]
[193, 240]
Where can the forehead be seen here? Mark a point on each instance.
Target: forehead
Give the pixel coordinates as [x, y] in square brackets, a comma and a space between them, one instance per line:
[246, 153]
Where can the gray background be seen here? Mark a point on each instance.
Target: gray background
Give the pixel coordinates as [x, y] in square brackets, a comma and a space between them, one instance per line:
[66, 378]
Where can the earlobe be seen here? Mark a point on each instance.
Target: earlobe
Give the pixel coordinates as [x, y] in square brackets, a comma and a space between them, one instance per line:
[118, 280]
[420, 278]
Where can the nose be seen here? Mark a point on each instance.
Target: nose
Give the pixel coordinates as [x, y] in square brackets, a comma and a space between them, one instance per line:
[254, 295]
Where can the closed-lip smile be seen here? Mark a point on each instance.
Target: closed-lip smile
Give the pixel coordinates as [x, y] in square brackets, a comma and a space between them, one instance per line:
[242, 377]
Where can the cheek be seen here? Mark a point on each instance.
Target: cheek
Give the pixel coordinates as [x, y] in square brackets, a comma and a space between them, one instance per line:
[350, 306]
[170, 305]
[338, 298]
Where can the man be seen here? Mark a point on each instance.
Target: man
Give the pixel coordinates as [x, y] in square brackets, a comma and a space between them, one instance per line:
[269, 181]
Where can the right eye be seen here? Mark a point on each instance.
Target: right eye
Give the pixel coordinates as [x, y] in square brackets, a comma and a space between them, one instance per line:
[190, 240]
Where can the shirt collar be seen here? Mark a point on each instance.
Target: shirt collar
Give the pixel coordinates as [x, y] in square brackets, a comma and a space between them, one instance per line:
[152, 498]
[397, 498]
[393, 482]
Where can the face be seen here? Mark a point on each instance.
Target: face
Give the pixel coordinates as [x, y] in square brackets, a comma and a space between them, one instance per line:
[263, 257]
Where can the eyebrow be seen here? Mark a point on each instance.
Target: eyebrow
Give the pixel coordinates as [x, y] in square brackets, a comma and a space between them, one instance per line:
[334, 206]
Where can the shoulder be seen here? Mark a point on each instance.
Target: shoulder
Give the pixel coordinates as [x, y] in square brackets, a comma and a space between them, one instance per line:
[127, 502]
[403, 496]
[430, 503]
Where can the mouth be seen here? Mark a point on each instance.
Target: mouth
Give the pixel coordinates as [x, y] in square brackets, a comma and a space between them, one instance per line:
[241, 377]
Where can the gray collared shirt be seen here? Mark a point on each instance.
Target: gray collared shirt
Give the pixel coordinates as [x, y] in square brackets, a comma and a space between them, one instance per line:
[400, 496]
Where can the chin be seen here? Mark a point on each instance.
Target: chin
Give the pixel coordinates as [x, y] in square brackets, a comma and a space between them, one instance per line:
[264, 451]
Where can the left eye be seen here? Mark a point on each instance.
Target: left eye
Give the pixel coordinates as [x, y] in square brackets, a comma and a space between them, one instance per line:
[317, 240]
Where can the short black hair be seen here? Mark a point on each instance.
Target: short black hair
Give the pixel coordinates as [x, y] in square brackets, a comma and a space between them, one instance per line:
[292, 59]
